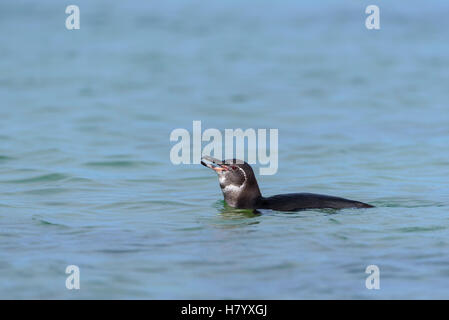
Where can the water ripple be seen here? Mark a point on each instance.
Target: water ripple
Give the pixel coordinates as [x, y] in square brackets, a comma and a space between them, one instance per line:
[52, 177]
[119, 164]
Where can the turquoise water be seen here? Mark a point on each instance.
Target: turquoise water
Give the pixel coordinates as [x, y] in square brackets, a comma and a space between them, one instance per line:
[85, 174]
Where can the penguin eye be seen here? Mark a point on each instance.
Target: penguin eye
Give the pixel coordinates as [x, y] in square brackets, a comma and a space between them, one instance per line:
[233, 167]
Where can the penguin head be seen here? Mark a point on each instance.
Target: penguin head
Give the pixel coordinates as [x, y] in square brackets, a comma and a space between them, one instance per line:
[237, 181]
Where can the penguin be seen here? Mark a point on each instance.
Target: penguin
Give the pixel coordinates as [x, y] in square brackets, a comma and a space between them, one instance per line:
[241, 191]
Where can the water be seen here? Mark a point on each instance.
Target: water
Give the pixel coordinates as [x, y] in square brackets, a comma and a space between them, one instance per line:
[85, 174]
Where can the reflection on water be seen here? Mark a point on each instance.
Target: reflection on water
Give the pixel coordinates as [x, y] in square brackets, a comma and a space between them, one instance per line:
[234, 218]
[229, 212]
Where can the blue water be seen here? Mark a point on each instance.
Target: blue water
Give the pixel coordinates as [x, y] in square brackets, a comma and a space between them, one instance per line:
[85, 173]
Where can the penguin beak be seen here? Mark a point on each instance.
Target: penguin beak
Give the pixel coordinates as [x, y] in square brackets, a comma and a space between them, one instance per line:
[214, 164]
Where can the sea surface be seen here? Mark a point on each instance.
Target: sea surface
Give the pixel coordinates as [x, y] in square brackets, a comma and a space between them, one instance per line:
[85, 171]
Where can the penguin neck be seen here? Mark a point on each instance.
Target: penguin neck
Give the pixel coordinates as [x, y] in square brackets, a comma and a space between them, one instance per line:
[247, 196]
